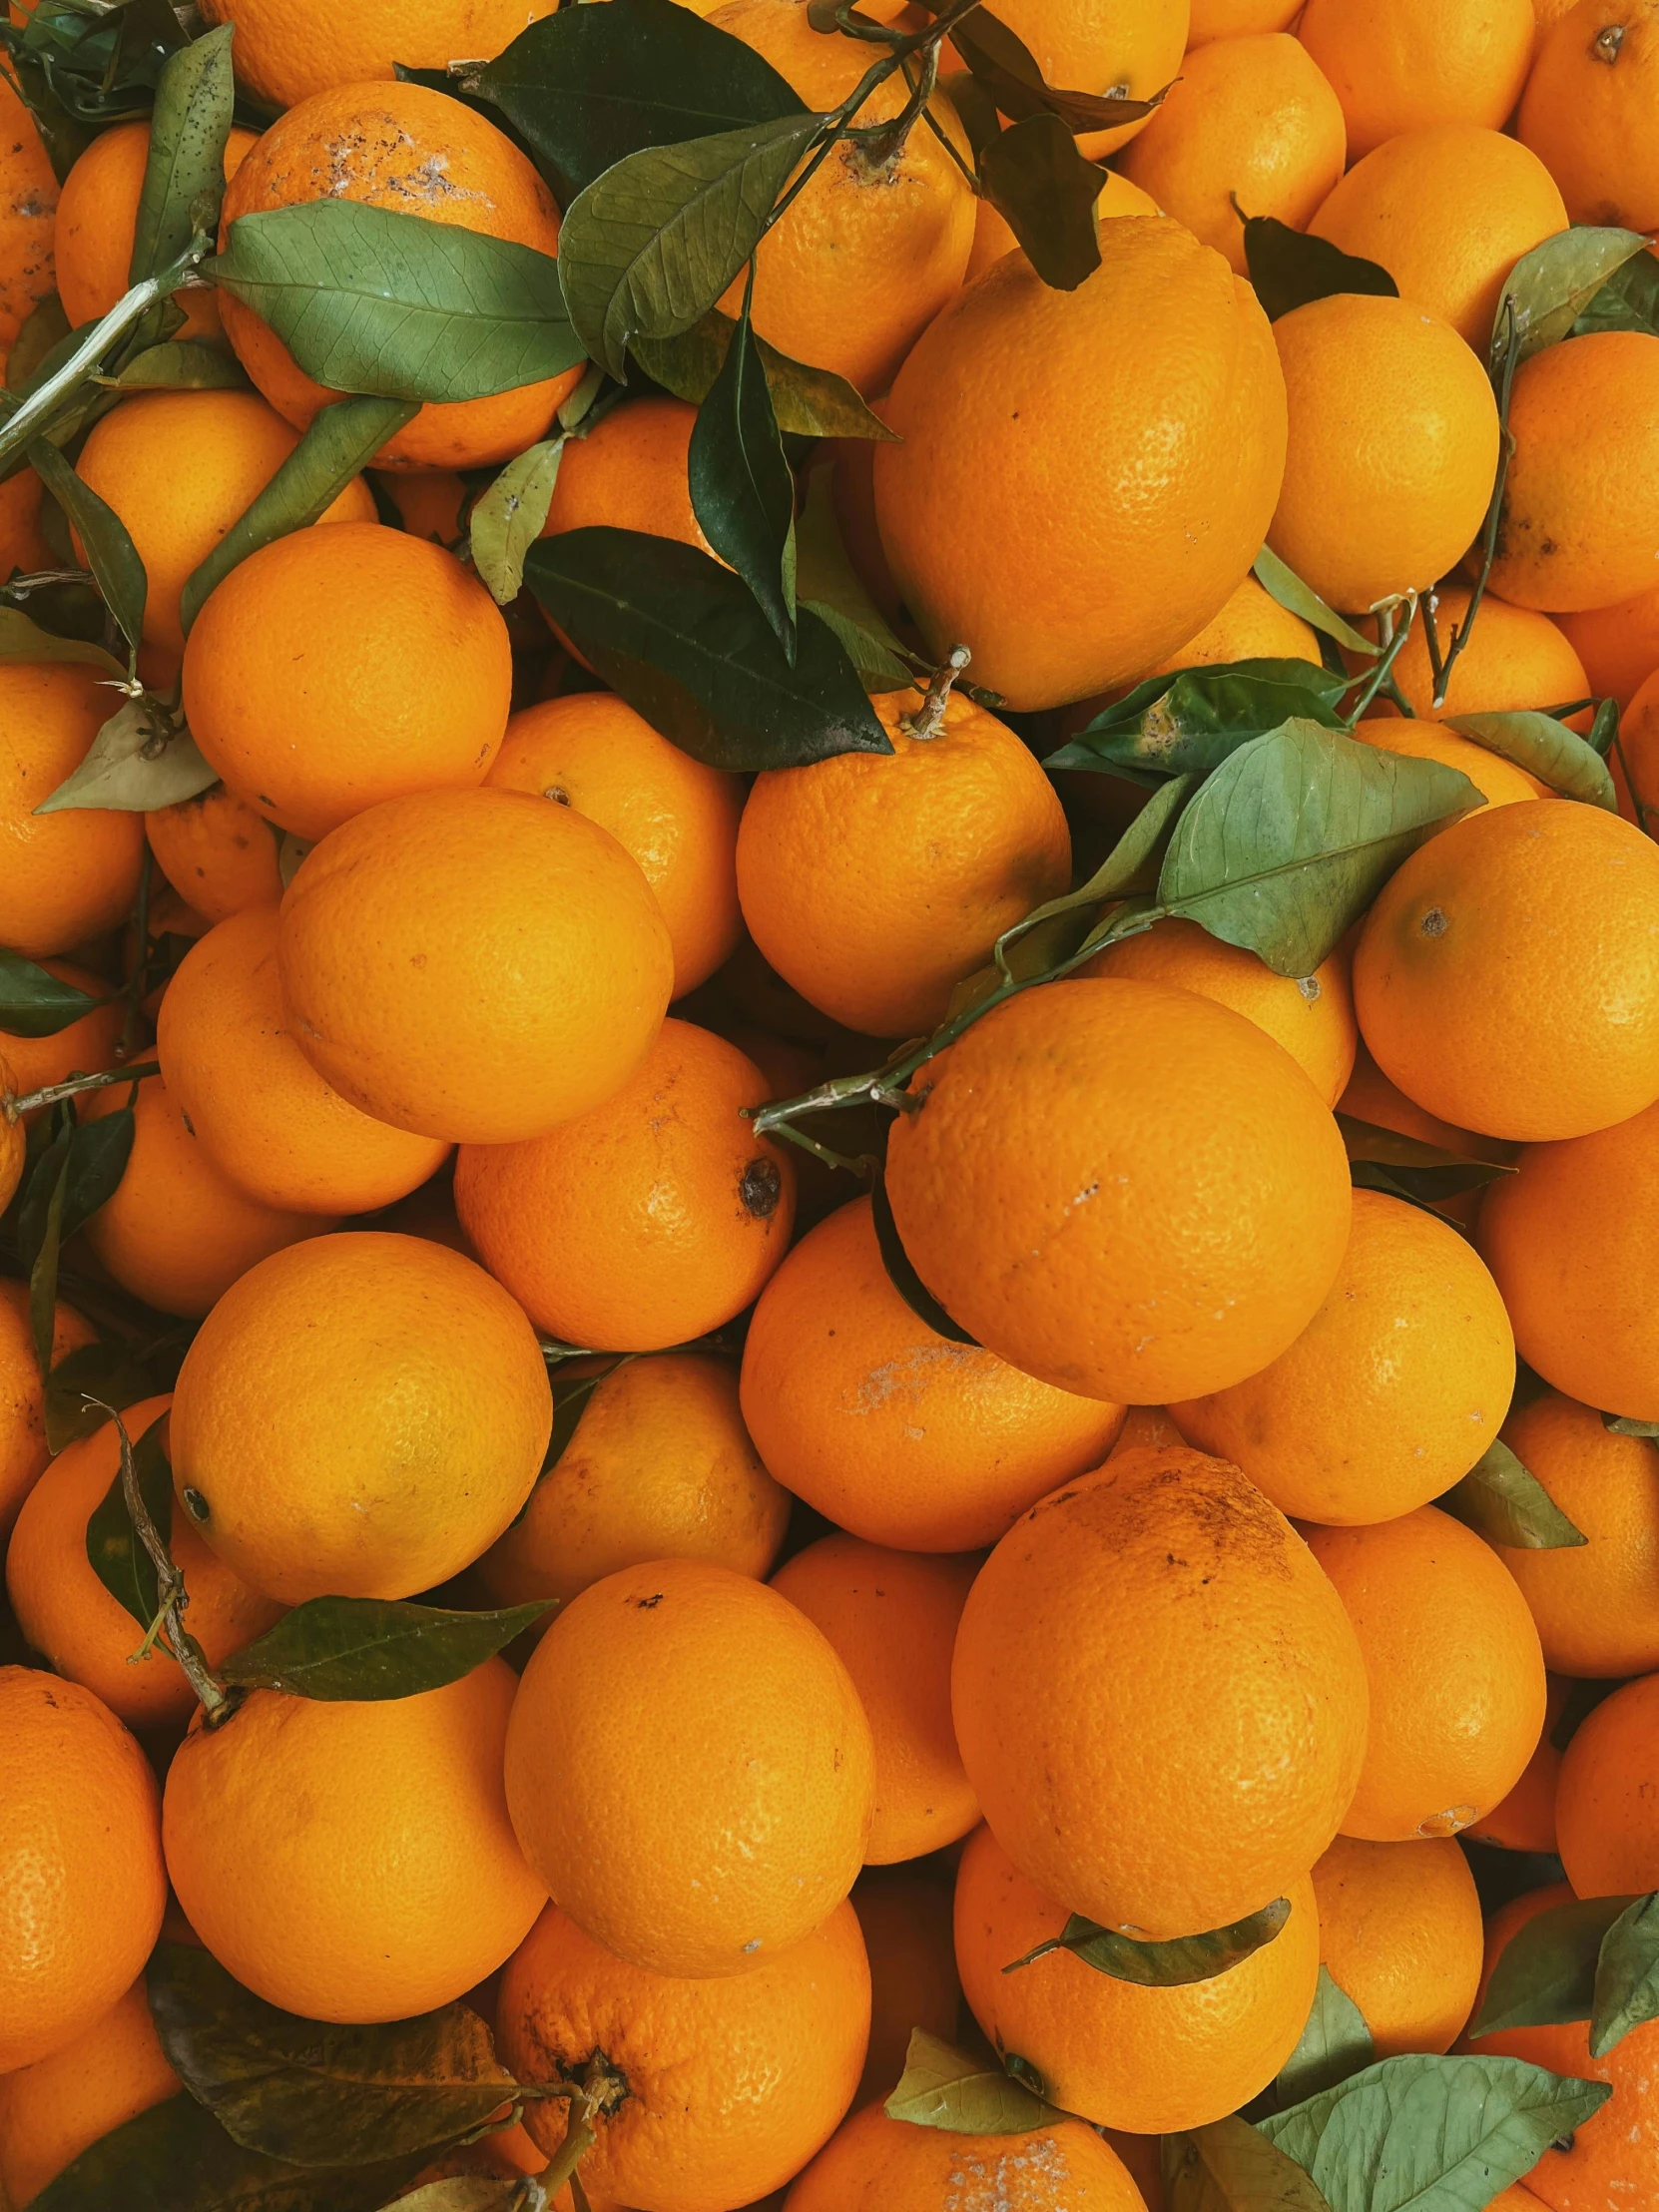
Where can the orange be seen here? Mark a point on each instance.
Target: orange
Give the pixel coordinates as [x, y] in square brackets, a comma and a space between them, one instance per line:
[1587, 113]
[873, 2164]
[1605, 1815]
[23, 1452]
[1582, 504]
[1312, 1016]
[1635, 760]
[1400, 1934]
[1122, 2056]
[1390, 1394]
[1370, 1097]
[1145, 1424]
[14, 1141]
[1161, 1601]
[98, 216]
[253, 1102]
[1507, 978]
[286, 52]
[886, 1429]
[1126, 1190]
[353, 1861]
[993, 234]
[1447, 211]
[1517, 658]
[649, 1221]
[874, 882]
[1398, 65]
[22, 548]
[52, 2111]
[892, 1617]
[473, 965]
[217, 852]
[1619, 645]
[433, 505]
[27, 203]
[1124, 48]
[1238, 18]
[63, 876]
[1457, 1674]
[1526, 1818]
[360, 1415]
[178, 1233]
[1248, 119]
[1562, 2048]
[1171, 450]
[417, 152]
[629, 473]
[1500, 781]
[727, 2086]
[905, 1912]
[84, 1047]
[72, 1620]
[677, 817]
[1252, 626]
[1392, 447]
[82, 1885]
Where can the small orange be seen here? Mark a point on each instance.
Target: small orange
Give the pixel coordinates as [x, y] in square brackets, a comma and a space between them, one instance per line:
[1398, 65]
[218, 852]
[98, 216]
[994, 236]
[905, 1912]
[1517, 658]
[22, 547]
[1400, 1935]
[23, 1452]
[1619, 645]
[1500, 783]
[1588, 107]
[60, 2106]
[1606, 1819]
[629, 473]
[1635, 759]
[87, 1045]
[433, 504]
[873, 2164]
[28, 204]
[1252, 626]
[286, 51]
[65, 877]
[1239, 18]
[1526, 1818]
[1123, 48]
[1370, 1097]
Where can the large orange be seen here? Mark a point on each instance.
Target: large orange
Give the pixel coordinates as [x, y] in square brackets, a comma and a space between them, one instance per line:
[887, 1429]
[23, 1452]
[218, 852]
[1238, 18]
[1125, 48]
[1126, 1190]
[1500, 783]
[287, 49]
[873, 2164]
[690, 1769]
[97, 218]
[874, 882]
[629, 472]
[1171, 451]
[1606, 1820]
[1400, 1935]
[1401, 64]
[1160, 1601]
[28, 204]
[1588, 109]
[1515, 657]
[905, 1912]
[1619, 645]
[63, 876]
[87, 1045]
[52, 2111]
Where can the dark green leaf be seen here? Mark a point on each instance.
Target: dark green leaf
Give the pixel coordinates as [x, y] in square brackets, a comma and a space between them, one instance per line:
[1005, 64]
[1291, 269]
[110, 552]
[1189, 722]
[1281, 582]
[142, 758]
[40, 1239]
[370, 1647]
[683, 641]
[809, 402]
[571, 1394]
[107, 1373]
[1231, 2167]
[1334, 2043]
[1624, 1425]
[902, 1275]
[1507, 1503]
[1551, 286]
[32, 1004]
[944, 2088]
[1604, 729]
[508, 515]
[1036, 179]
[23, 640]
[114, 1547]
[1405, 1167]
[370, 300]
[1627, 1977]
[742, 491]
[1546, 748]
[1168, 1965]
[184, 178]
[44, 329]
[827, 584]
[180, 365]
[1629, 300]
[1545, 1976]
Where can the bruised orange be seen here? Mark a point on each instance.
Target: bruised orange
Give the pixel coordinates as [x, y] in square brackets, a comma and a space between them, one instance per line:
[28, 204]
[873, 2164]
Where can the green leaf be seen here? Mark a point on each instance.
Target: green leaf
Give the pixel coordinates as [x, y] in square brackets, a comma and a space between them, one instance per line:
[184, 177]
[1287, 842]
[1005, 64]
[1626, 1424]
[1281, 582]
[826, 583]
[902, 1275]
[1189, 722]
[464, 2192]
[508, 516]
[742, 491]
[32, 1004]
[72, 1177]
[179, 364]
[809, 402]
[1334, 2043]
[370, 300]
[107, 1373]
[1604, 729]
[142, 758]
[1553, 284]
[1507, 1503]
[683, 641]
[1546, 748]
[1546, 1974]
[1629, 300]
[1170, 1965]
[1231, 2167]
[944, 2088]
[44, 328]
[1626, 1976]
[342, 441]
[1405, 1167]
[110, 552]
[648, 248]
[1035, 177]
[114, 1549]
[372, 1648]
[23, 640]
[1291, 269]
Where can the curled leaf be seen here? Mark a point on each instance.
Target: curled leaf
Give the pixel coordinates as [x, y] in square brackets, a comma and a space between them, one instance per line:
[1546, 748]
[370, 1647]
[830, 587]
[1628, 300]
[1507, 1503]
[1168, 1965]
[1038, 180]
[110, 552]
[742, 491]
[1405, 1167]
[1281, 582]
[115, 1550]
[1624, 1425]
[142, 758]
[179, 364]
[23, 640]
[508, 515]
[946, 2088]
[1549, 288]
[1626, 1976]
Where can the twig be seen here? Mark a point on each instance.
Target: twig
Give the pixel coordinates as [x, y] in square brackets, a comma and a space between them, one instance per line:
[15, 1108]
[1382, 670]
[928, 719]
[170, 1585]
[1495, 513]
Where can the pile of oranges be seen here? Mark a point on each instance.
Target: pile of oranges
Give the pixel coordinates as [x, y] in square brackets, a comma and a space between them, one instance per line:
[829, 1106]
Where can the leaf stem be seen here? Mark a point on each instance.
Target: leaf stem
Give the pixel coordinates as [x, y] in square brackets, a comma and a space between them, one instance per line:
[928, 719]
[210, 1691]
[1495, 513]
[1382, 670]
[21, 586]
[14, 1109]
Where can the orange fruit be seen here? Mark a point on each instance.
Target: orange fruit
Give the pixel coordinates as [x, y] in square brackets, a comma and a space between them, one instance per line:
[1252, 626]
[473, 965]
[689, 1768]
[1605, 1817]
[994, 236]
[892, 1618]
[71, 1619]
[1064, 1125]
[905, 1913]
[629, 473]
[82, 1885]
[887, 1429]
[218, 852]
[23, 1452]
[1390, 1394]
[52, 2111]
[431, 505]
[873, 2164]
[1500, 781]
[1311, 1017]
[1370, 1097]
[1172, 451]
[22, 547]
[1517, 658]
[1582, 503]
[1127, 48]
[358, 1417]
[417, 152]
[1635, 759]
[1238, 18]
[677, 817]
[1082, 1642]
[1507, 978]
[352, 1860]
[1619, 645]
[286, 52]
[648, 1221]
[83, 1048]
[1400, 1934]
[28, 204]
[14, 1141]
[1448, 210]
[1400, 65]
[699, 2125]
[660, 1467]
[1588, 108]
[874, 882]
[1457, 1674]
[1248, 119]
[1361, 518]
[1115, 2053]
[1560, 2047]
[66, 876]
[253, 1102]
[1526, 1818]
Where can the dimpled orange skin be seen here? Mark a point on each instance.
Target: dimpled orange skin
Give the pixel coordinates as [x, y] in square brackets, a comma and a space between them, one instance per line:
[82, 1884]
[1130, 47]
[353, 1861]
[1126, 1190]
[1239, 18]
[1398, 65]
[416, 152]
[1500, 781]
[1456, 1673]
[873, 2164]
[473, 965]
[1172, 450]
[218, 852]
[98, 216]
[1580, 519]
[1526, 1818]
[1400, 1934]
[284, 53]
[1517, 658]
[1507, 978]
[1605, 1815]
[1393, 438]
[52, 2111]
[689, 1767]
[1619, 645]
[649, 1221]
[359, 1417]
[23, 1452]
[1588, 111]
[85, 1046]
[874, 882]
[733, 2084]
[905, 1913]
[629, 473]
[28, 204]
[1151, 2061]
[63, 876]
[1161, 1598]
[892, 1617]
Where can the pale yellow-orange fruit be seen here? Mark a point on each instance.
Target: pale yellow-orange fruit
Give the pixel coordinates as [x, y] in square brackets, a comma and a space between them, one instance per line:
[1400, 1935]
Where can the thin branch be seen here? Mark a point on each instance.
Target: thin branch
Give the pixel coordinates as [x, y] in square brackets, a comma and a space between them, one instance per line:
[15, 1108]
[1495, 513]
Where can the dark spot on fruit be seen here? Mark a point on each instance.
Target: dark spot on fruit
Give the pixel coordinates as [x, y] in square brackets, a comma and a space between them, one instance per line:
[760, 1186]
[197, 1504]
[1436, 922]
[647, 1604]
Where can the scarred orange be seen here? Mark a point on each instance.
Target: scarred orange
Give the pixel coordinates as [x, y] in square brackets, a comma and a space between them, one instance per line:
[873, 2164]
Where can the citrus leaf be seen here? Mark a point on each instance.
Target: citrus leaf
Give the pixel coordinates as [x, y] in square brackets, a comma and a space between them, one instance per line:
[110, 552]
[179, 364]
[93, 1156]
[1507, 1503]
[1551, 286]
[370, 300]
[109, 1374]
[464, 2192]
[39, 1240]
[1189, 721]
[1334, 2043]
[1005, 64]
[183, 177]
[742, 491]
[809, 402]
[648, 248]
[1629, 300]
[342, 440]
[115, 1551]
[1545, 1975]
[1280, 583]
[23, 640]
[142, 758]
[827, 582]
[1133, 865]
[1627, 1977]
[372, 1648]
[1169, 1966]
[1546, 748]
[44, 328]
[1626, 1424]
[1231, 2167]
[1291, 269]
[944, 2088]
[34, 1003]
[508, 515]
[902, 1275]
[879, 668]
[1405, 1167]
[1035, 177]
